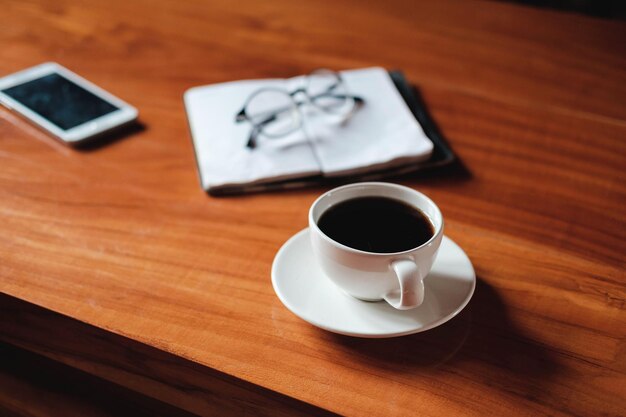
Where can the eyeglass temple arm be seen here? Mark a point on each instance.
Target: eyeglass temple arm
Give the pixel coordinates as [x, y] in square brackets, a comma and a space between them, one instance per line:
[327, 93]
[357, 99]
[241, 116]
[256, 129]
[251, 144]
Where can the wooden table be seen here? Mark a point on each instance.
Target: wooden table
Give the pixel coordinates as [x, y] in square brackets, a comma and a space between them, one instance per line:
[113, 260]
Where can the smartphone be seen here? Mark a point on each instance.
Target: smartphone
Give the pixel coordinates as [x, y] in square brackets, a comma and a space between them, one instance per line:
[63, 103]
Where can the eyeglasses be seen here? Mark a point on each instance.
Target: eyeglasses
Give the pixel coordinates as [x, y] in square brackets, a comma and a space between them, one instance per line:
[274, 112]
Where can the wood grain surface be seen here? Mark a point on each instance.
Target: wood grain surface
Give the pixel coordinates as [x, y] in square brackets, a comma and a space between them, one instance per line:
[117, 244]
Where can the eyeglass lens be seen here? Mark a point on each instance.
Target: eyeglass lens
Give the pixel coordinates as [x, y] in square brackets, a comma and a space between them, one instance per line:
[274, 112]
[327, 92]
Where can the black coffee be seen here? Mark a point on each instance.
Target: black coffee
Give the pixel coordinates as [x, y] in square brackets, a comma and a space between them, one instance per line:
[376, 224]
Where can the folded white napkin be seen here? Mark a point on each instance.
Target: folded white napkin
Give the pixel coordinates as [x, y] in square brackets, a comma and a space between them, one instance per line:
[381, 134]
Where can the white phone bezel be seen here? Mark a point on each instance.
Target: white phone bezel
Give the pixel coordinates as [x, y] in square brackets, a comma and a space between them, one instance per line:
[125, 113]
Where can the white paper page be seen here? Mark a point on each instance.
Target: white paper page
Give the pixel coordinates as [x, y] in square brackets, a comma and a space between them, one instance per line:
[220, 143]
[383, 133]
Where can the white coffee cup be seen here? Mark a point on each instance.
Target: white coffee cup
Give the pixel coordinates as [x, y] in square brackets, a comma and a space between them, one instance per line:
[398, 277]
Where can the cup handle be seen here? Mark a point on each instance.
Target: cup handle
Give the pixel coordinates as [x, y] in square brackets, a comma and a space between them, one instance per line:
[411, 292]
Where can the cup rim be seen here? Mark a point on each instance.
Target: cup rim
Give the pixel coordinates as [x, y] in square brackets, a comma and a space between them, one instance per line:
[313, 223]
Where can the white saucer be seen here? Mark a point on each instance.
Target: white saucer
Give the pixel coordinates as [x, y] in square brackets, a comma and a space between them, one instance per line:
[309, 294]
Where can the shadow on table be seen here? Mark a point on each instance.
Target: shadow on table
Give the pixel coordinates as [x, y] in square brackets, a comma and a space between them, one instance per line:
[455, 172]
[483, 333]
[117, 135]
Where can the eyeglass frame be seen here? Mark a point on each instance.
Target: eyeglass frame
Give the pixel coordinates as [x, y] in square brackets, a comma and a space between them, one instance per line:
[257, 127]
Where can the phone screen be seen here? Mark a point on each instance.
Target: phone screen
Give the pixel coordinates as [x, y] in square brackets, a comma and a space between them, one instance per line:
[60, 101]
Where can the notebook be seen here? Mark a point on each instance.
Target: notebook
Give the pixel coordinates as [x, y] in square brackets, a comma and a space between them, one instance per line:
[388, 135]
